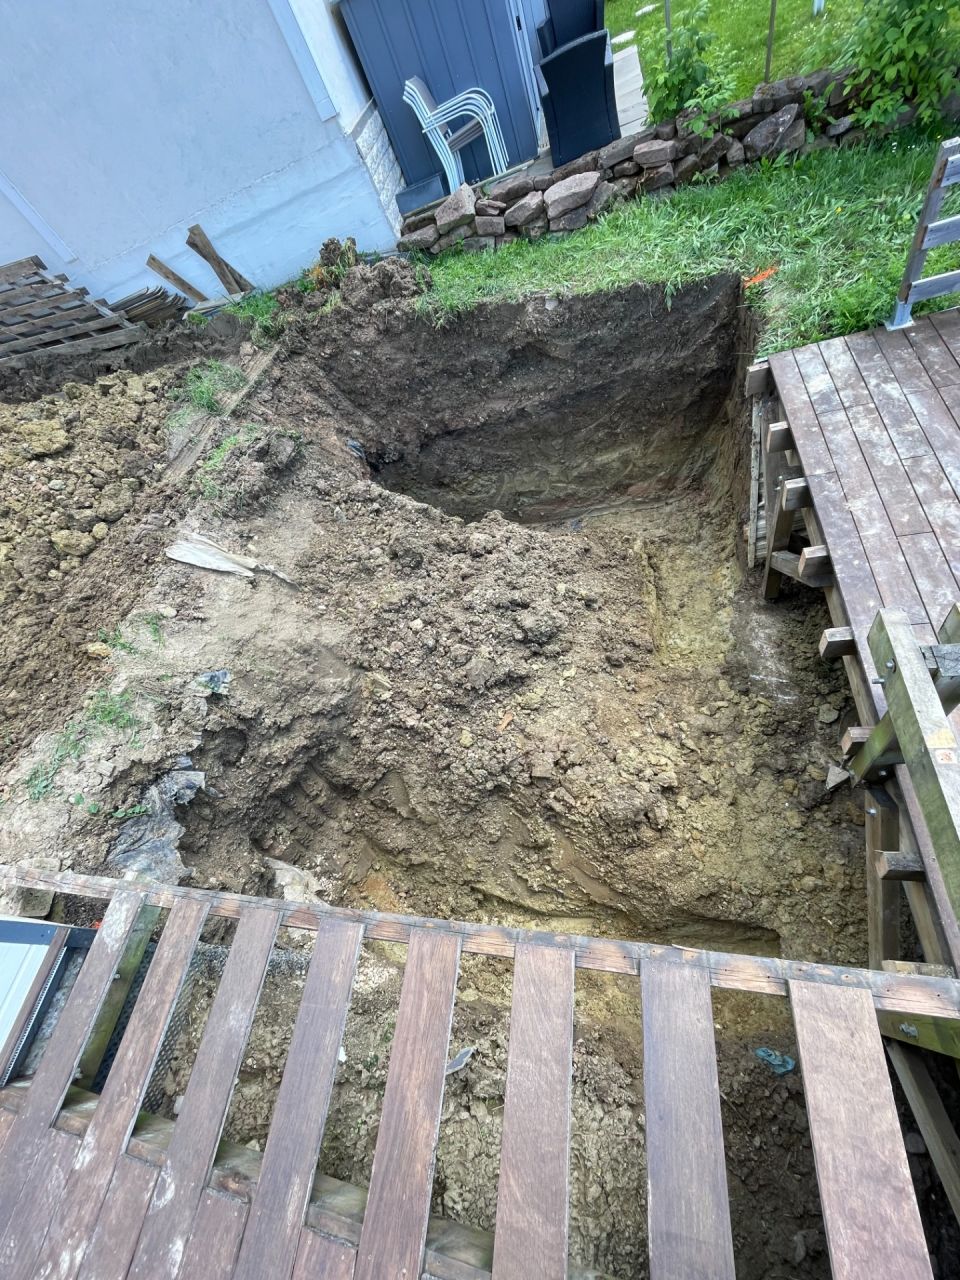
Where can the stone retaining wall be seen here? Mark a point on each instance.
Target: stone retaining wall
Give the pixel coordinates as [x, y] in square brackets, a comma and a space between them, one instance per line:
[654, 161]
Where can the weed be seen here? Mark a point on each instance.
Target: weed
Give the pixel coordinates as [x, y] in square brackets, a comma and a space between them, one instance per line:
[132, 811]
[69, 745]
[206, 383]
[116, 640]
[113, 710]
[154, 624]
[263, 310]
[197, 318]
[837, 224]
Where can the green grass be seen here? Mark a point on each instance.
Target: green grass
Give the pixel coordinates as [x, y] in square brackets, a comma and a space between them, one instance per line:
[209, 472]
[802, 42]
[263, 310]
[206, 383]
[106, 711]
[836, 225]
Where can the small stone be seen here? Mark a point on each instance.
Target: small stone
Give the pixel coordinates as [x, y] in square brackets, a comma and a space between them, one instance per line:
[735, 153]
[571, 193]
[510, 189]
[651, 154]
[625, 188]
[424, 238]
[71, 542]
[667, 131]
[711, 152]
[836, 777]
[456, 210]
[810, 884]
[583, 164]
[661, 176]
[914, 1144]
[767, 138]
[44, 439]
[100, 530]
[626, 169]
[827, 714]
[543, 181]
[488, 225]
[571, 221]
[541, 767]
[686, 167]
[449, 240]
[97, 649]
[490, 208]
[527, 208]
[466, 738]
[416, 221]
[843, 125]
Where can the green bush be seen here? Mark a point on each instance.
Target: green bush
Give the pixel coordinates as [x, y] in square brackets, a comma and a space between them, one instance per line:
[905, 52]
[688, 81]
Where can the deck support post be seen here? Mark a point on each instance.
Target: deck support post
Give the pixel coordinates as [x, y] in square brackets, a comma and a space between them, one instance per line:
[882, 830]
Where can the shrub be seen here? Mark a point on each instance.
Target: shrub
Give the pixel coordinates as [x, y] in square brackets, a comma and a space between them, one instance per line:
[905, 53]
[688, 81]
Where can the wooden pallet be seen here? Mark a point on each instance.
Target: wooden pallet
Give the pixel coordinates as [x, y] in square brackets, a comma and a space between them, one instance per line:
[88, 1200]
[42, 312]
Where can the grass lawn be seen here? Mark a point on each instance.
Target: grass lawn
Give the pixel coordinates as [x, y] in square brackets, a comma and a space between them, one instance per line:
[835, 228]
[802, 43]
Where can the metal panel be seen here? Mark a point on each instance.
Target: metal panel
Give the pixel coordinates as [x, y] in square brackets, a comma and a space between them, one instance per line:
[452, 45]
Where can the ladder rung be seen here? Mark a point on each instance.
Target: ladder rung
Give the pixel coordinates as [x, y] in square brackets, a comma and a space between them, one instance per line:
[934, 286]
[943, 232]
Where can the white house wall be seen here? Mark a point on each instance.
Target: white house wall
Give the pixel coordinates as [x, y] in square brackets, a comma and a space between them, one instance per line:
[127, 120]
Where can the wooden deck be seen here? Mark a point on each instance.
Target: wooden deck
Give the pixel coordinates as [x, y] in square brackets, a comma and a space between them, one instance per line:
[89, 1190]
[861, 466]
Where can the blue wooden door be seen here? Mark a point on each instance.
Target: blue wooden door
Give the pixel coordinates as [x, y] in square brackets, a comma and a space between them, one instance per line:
[451, 45]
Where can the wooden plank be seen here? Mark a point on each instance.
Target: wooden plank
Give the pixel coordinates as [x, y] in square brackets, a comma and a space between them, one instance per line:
[869, 1208]
[178, 282]
[888, 472]
[894, 864]
[814, 564]
[120, 1101]
[40, 1195]
[688, 1211]
[940, 506]
[12, 271]
[778, 438]
[766, 975]
[801, 415]
[903, 360]
[320, 1256]
[199, 1125]
[931, 1116]
[531, 1235]
[779, 529]
[837, 642]
[231, 279]
[938, 360]
[40, 341]
[38, 299]
[212, 1249]
[401, 1183]
[114, 1239]
[53, 323]
[79, 346]
[59, 1062]
[817, 381]
[788, 564]
[293, 1142]
[940, 429]
[47, 966]
[757, 381]
[845, 373]
[947, 325]
[935, 581]
[882, 832]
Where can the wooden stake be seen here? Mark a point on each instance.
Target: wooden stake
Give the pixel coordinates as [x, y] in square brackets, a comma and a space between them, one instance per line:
[229, 277]
[178, 282]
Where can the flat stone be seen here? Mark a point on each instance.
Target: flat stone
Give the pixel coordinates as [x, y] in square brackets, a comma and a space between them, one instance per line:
[661, 176]
[477, 244]
[527, 208]
[457, 210]
[418, 220]
[625, 188]
[571, 193]
[736, 110]
[767, 138]
[451, 238]
[686, 167]
[582, 164]
[735, 153]
[667, 130]
[843, 125]
[543, 181]
[615, 152]
[489, 208]
[796, 136]
[510, 189]
[490, 226]
[604, 195]
[626, 169]
[424, 238]
[572, 221]
[711, 151]
[649, 155]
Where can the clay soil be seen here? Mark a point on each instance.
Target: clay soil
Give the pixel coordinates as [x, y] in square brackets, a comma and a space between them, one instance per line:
[520, 675]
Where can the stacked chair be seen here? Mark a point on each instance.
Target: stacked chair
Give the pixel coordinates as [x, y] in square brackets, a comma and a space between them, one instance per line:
[575, 79]
[475, 106]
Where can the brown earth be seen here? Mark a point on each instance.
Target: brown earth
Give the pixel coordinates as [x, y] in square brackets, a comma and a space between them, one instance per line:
[580, 719]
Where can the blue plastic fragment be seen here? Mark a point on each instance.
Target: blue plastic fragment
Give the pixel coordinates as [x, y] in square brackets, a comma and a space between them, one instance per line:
[780, 1064]
[356, 448]
[215, 681]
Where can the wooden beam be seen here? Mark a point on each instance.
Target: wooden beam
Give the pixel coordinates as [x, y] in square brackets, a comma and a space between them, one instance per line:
[229, 276]
[178, 282]
[922, 1033]
[778, 438]
[758, 381]
[789, 564]
[896, 865]
[796, 494]
[815, 564]
[931, 1116]
[919, 968]
[882, 832]
[837, 642]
